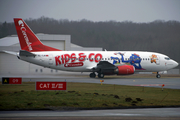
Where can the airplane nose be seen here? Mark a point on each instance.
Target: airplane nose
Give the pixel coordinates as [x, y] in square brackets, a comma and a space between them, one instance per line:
[171, 64]
[175, 63]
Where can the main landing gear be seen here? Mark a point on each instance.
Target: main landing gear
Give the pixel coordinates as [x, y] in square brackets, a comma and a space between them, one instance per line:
[93, 75]
[100, 75]
[158, 75]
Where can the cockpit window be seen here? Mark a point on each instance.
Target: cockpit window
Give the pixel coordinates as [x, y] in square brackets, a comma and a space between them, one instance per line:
[167, 58]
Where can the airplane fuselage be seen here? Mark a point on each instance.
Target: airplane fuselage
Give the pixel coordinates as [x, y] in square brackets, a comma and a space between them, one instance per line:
[84, 61]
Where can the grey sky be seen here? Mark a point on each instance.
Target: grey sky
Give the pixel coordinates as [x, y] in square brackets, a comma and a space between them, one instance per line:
[95, 10]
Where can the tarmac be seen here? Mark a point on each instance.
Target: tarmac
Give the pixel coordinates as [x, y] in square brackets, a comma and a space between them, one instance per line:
[145, 113]
[132, 80]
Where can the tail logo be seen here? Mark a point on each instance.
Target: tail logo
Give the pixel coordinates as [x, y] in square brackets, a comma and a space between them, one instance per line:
[20, 22]
[23, 30]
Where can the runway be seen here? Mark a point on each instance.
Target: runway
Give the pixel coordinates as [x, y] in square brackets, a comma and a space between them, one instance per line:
[146, 113]
[134, 80]
[169, 82]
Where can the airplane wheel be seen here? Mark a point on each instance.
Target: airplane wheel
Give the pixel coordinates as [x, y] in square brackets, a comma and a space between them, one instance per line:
[92, 75]
[158, 75]
[101, 75]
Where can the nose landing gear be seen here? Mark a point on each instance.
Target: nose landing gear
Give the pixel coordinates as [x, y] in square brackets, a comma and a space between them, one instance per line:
[158, 75]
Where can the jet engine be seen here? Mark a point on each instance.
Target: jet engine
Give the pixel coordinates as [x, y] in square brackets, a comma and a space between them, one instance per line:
[124, 70]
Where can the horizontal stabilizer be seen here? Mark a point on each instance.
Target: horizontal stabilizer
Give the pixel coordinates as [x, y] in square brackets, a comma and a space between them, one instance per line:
[26, 53]
[10, 52]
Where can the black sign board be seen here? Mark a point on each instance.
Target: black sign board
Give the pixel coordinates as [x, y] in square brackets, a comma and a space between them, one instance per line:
[5, 80]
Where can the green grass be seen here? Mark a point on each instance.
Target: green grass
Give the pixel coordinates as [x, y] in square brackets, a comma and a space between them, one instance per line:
[84, 95]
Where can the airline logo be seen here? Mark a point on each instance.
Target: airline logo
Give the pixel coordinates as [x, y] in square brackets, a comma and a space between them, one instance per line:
[77, 64]
[23, 30]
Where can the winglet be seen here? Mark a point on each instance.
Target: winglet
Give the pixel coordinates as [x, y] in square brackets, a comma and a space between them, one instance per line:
[28, 40]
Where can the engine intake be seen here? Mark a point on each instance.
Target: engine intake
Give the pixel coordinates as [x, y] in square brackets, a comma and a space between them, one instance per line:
[124, 70]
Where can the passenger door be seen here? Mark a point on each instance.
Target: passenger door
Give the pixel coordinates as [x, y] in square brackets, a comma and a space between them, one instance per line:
[158, 60]
[50, 59]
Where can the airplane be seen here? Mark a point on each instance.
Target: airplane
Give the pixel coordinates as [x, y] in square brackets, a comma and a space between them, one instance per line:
[100, 62]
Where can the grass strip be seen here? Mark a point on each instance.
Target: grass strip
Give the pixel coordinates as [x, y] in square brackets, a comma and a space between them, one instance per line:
[85, 95]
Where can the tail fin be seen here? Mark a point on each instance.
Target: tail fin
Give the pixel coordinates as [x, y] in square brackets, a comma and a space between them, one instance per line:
[28, 39]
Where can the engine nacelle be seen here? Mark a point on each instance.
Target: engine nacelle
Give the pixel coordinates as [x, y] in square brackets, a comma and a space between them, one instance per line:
[125, 70]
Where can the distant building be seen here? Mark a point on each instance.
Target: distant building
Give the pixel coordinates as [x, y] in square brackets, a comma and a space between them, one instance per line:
[173, 71]
[10, 64]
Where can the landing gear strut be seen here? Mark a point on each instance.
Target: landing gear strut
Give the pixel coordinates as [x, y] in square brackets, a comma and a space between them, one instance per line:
[92, 75]
[158, 75]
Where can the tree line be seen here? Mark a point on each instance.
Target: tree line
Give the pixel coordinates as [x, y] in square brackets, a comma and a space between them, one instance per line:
[157, 36]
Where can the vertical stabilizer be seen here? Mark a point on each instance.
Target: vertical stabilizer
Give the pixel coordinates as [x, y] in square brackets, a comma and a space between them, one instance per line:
[28, 39]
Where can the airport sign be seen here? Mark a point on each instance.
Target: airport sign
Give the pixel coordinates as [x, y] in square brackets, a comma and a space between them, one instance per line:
[11, 80]
[44, 85]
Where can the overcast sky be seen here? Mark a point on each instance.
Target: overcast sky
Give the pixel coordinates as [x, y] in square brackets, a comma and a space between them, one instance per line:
[94, 10]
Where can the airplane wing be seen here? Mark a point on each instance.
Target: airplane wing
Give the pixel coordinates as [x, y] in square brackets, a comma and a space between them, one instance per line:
[104, 66]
